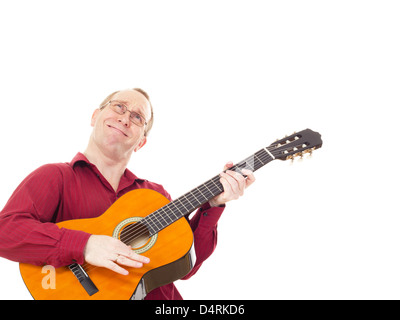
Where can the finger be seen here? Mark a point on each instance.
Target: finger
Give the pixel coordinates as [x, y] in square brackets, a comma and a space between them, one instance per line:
[128, 257]
[239, 181]
[137, 257]
[123, 260]
[225, 184]
[233, 190]
[228, 165]
[116, 268]
[124, 250]
[250, 177]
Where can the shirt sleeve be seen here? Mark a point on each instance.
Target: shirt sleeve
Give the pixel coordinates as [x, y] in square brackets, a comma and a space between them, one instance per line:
[204, 224]
[27, 230]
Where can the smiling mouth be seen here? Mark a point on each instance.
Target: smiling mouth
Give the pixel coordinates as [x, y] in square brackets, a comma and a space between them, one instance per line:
[117, 130]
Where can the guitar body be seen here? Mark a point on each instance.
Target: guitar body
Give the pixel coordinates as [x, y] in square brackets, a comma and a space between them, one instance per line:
[170, 251]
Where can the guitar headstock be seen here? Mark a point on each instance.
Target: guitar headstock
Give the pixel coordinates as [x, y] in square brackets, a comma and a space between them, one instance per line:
[296, 145]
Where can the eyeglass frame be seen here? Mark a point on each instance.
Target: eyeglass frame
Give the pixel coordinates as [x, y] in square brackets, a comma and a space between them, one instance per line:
[126, 109]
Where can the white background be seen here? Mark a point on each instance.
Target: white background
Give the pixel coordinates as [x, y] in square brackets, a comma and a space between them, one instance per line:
[227, 78]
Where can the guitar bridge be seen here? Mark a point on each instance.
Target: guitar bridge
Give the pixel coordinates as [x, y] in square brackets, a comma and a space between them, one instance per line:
[83, 278]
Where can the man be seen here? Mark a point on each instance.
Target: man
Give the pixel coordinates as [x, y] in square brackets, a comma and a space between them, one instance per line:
[88, 185]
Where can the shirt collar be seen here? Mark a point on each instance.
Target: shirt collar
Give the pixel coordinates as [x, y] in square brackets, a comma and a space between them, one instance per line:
[128, 175]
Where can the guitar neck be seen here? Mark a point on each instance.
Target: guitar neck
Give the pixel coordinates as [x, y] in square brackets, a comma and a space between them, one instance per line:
[195, 198]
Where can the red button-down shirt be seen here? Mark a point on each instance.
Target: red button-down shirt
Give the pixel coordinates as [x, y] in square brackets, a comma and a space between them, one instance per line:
[74, 190]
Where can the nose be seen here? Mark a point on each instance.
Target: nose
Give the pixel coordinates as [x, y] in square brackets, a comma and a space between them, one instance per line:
[124, 119]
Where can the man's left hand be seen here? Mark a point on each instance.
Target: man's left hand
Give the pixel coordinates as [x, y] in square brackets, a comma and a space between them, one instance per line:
[234, 184]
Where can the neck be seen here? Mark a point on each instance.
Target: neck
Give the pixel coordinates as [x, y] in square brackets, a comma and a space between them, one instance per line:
[111, 166]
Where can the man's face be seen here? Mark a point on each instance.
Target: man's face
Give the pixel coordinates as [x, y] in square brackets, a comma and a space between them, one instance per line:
[115, 132]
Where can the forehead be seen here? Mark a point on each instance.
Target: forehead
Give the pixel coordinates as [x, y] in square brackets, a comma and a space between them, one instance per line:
[134, 100]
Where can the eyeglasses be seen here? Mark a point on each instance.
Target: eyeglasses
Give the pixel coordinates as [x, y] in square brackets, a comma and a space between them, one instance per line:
[121, 108]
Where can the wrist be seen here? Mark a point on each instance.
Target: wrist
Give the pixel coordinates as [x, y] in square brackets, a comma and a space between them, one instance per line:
[214, 203]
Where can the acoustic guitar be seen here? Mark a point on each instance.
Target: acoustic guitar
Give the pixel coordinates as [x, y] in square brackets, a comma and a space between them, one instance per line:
[150, 224]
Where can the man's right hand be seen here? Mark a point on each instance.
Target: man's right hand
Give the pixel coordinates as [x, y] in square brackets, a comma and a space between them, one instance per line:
[110, 253]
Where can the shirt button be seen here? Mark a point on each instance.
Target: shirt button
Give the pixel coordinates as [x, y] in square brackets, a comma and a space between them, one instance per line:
[205, 214]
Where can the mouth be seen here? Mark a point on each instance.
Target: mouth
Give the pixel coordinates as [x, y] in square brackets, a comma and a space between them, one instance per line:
[120, 131]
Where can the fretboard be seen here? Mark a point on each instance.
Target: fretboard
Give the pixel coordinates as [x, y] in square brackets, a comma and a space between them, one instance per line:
[195, 198]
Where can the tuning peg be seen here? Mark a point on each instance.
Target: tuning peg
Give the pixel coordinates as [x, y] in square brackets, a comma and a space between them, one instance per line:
[309, 151]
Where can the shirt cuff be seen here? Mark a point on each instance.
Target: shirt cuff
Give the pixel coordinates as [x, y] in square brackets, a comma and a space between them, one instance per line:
[210, 215]
[73, 243]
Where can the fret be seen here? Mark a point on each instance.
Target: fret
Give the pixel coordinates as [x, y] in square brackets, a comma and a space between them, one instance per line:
[211, 188]
[208, 189]
[152, 223]
[173, 203]
[205, 192]
[198, 196]
[250, 163]
[183, 204]
[159, 220]
[192, 206]
[151, 220]
[180, 204]
[260, 158]
[165, 216]
[162, 216]
[190, 194]
[159, 217]
[257, 158]
[198, 189]
[217, 185]
[171, 212]
[265, 156]
[258, 163]
[149, 226]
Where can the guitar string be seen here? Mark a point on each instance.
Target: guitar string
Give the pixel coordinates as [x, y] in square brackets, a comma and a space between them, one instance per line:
[152, 217]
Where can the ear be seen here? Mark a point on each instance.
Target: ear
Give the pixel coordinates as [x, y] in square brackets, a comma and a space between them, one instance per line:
[141, 144]
[94, 117]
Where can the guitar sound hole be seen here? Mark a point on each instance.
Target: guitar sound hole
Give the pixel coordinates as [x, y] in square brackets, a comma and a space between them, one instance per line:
[135, 235]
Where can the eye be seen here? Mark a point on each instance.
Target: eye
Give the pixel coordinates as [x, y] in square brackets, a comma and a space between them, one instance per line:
[136, 117]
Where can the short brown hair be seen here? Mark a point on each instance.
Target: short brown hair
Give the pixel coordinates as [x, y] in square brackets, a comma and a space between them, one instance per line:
[150, 122]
